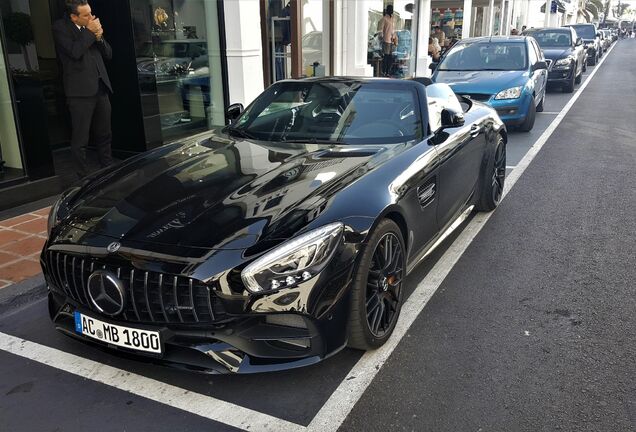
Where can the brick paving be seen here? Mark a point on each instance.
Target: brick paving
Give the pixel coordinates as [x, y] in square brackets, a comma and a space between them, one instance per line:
[21, 240]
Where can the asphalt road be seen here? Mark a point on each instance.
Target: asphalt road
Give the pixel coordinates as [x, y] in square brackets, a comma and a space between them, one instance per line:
[533, 329]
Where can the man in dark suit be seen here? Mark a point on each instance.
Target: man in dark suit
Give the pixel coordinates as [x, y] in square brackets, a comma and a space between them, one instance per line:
[81, 48]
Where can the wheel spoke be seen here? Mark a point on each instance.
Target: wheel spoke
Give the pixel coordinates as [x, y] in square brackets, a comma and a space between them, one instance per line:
[374, 307]
[377, 319]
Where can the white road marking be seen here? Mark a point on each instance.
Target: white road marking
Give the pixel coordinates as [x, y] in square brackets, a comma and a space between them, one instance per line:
[549, 112]
[195, 403]
[341, 402]
[339, 405]
[511, 166]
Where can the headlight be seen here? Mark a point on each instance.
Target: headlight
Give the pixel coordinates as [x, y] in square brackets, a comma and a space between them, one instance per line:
[511, 93]
[563, 62]
[294, 261]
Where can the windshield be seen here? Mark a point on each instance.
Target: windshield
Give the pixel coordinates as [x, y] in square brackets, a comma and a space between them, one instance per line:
[476, 56]
[337, 112]
[585, 31]
[552, 38]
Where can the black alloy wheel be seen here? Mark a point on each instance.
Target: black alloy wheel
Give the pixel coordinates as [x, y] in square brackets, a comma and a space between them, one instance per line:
[384, 284]
[493, 178]
[377, 288]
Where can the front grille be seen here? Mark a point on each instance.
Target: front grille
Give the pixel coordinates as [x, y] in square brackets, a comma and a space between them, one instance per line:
[481, 97]
[152, 297]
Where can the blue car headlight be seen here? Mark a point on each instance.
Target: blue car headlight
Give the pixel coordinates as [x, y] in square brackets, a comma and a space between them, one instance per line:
[293, 262]
[511, 93]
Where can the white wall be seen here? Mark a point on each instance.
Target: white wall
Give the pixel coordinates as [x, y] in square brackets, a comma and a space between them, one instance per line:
[244, 50]
[351, 35]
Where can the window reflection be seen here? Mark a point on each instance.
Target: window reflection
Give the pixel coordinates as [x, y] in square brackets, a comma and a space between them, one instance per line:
[178, 66]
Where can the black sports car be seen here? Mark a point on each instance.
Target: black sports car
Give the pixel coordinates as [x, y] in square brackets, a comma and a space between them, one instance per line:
[280, 239]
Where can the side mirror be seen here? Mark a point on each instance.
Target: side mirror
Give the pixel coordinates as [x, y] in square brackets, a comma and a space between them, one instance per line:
[233, 112]
[433, 66]
[579, 41]
[451, 118]
[539, 65]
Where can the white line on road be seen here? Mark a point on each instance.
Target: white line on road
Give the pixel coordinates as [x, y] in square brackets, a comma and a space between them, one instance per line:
[511, 166]
[341, 402]
[339, 405]
[195, 403]
[549, 113]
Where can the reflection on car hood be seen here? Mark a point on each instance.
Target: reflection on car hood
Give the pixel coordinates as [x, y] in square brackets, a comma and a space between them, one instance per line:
[489, 82]
[555, 53]
[215, 192]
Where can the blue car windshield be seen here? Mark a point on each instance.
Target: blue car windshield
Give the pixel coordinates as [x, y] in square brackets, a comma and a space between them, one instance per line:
[333, 112]
[490, 56]
[552, 38]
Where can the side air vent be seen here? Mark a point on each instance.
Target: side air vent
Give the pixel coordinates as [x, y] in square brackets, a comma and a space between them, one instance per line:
[426, 192]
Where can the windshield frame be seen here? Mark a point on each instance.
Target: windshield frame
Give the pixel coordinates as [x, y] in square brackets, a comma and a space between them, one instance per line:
[458, 46]
[243, 123]
[578, 27]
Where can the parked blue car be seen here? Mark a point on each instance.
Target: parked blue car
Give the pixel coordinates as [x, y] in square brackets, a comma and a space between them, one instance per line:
[509, 73]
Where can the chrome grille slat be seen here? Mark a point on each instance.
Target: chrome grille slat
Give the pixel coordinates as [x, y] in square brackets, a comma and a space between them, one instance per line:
[83, 280]
[132, 293]
[194, 309]
[166, 298]
[210, 304]
[176, 298]
[152, 318]
[163, 308]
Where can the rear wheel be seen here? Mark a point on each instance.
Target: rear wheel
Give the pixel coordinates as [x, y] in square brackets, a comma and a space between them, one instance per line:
[528, 122]
[592, 61]
[585, 65]
[579, 77]
[542, 103]
[377, 288]
[492, 180]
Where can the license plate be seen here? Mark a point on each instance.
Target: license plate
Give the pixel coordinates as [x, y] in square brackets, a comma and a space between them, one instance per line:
[126, 337]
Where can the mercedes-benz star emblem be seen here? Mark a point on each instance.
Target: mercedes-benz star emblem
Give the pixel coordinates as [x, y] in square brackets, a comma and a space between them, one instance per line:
[106, 292]
[113, 247]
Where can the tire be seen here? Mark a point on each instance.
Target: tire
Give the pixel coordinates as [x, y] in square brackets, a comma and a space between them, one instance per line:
[585, 66]
[528, 122]
[373, 292]
[569, 87]
[541, 105]
[592, 61]
[493, 178]
[578, 78]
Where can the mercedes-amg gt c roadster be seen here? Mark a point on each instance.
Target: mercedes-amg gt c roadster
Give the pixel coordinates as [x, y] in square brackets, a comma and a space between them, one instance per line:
[278, 240]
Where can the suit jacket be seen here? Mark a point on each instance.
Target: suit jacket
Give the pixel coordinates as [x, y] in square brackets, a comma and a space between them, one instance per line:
[82, 57]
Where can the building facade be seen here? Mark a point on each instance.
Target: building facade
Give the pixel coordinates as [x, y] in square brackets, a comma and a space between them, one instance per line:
[178, 64]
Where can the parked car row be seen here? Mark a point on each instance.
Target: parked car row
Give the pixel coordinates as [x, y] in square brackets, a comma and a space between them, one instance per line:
[512, 73]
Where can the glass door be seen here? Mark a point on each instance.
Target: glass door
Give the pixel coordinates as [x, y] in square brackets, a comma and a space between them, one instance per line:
[11, 167]
[178, 55]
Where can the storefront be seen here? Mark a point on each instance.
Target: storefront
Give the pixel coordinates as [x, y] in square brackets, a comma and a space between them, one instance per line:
[169, 74]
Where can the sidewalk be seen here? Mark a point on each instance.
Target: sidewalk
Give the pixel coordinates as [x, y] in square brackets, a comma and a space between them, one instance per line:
[21, 241]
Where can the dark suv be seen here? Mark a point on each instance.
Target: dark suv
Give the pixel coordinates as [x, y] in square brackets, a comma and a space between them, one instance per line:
[591, 40]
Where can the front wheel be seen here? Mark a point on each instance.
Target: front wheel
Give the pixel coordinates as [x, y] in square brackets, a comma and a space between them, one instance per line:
[528, 122]
[377, 288]
[569, 87]
[492, 180]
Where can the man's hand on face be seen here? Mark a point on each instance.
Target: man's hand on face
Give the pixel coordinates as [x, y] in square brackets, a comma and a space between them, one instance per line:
[95, 26]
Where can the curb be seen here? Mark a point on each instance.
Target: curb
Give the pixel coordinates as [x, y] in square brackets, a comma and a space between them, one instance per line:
[14, 296]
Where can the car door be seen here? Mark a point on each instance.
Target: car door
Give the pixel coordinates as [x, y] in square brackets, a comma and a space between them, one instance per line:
[459, 150]
[538, 76]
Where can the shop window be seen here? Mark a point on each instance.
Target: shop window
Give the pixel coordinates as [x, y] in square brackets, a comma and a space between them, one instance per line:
[315, 40]
[391, 38]
[178, 66]
[10, 157]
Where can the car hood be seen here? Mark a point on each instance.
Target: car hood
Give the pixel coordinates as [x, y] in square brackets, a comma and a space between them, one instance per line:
[556, 53]
[490, 82]
[215, 192]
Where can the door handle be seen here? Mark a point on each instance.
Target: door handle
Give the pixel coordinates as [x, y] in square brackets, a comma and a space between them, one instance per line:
[474, 131]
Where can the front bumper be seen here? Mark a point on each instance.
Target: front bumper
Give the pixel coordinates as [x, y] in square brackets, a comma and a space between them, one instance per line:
[511, 111]
[561, 76]
[247, 344]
